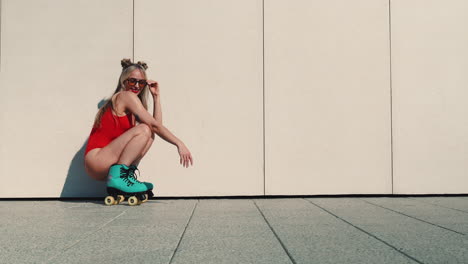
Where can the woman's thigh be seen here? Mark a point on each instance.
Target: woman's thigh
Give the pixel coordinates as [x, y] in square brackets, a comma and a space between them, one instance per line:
[98, 161]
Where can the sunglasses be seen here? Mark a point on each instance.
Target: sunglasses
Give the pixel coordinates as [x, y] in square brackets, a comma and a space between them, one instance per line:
[141, 83]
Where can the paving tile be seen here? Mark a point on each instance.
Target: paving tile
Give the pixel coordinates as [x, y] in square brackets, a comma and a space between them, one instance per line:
[421, 241]
[229, 231]
[142, 234]
[439, 216]
[456, 203]
[33, 231]
[312, 235]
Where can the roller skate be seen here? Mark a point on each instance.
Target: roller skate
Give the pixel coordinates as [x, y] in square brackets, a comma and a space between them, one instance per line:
[121, 184]
[149, 185]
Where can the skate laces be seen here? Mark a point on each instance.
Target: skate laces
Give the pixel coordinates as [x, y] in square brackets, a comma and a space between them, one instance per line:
[132, 174]
[124, 175]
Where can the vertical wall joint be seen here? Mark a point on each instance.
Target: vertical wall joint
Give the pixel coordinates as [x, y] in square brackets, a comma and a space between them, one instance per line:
[391, 90]
[263, 81]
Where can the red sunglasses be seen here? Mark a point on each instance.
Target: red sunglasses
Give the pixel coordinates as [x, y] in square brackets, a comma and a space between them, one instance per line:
[141, 83]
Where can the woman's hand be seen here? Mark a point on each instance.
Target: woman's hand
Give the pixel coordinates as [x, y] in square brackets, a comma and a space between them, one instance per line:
[154, 87]
[185, 156]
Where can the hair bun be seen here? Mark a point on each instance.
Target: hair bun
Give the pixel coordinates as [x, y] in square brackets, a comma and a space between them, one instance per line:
[125, 63]
[143, 64]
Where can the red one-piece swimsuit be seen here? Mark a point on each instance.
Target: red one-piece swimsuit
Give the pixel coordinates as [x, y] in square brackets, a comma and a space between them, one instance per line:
[112, 126]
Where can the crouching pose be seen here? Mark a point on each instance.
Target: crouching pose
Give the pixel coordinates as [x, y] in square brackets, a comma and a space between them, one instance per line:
[122, 134]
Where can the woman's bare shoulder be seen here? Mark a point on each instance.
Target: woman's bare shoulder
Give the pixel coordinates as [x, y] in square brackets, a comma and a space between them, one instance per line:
[124, 95]
[121, 96]
[118, 102]
[124, 101]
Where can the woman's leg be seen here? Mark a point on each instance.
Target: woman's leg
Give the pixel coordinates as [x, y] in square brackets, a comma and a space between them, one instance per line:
[125, 149]
[145, 150]
[135, 148]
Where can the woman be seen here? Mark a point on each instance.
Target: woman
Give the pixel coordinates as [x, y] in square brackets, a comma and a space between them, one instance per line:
[123, 132]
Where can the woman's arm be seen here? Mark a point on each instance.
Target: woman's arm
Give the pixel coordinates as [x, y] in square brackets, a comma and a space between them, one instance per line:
[132, 103]
[154, 89]
[157, 112]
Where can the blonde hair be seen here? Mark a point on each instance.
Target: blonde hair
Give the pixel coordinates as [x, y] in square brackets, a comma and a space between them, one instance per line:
[127, 68]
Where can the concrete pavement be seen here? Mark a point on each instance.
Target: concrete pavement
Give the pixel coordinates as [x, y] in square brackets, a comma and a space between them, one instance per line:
[271, 230]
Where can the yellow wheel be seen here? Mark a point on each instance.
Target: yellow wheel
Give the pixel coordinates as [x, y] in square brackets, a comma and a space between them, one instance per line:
[146, 198]
[120, 198]
[133, 200]
[109, 200]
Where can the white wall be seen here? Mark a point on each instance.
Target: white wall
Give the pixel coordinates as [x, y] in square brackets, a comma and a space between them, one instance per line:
[56, 68]
[430, 95]
[327, 97]
[272, 97]
[207, 57]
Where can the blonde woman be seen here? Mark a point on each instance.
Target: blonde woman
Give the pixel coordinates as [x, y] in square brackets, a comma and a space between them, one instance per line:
[123, 132]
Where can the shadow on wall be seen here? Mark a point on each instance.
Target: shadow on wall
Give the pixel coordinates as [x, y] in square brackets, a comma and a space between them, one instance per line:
[78, 183]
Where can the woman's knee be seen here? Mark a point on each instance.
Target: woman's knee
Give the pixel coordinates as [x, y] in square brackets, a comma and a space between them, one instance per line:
[145, 130]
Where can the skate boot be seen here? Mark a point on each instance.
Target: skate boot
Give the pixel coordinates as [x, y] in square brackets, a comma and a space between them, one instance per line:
[149, 185]
[121, 185]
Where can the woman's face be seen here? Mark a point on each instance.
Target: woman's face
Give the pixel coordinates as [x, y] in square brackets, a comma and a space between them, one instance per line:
[135, 82]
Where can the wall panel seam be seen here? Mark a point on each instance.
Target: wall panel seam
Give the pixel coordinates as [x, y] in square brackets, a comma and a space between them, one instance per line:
[391, 90]
[263, 84]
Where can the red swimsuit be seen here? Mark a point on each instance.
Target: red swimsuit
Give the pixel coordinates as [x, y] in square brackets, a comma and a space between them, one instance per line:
[112, 126]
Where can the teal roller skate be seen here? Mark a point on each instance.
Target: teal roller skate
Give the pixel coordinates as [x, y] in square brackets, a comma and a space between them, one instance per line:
[122, 184]
[149, 185]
